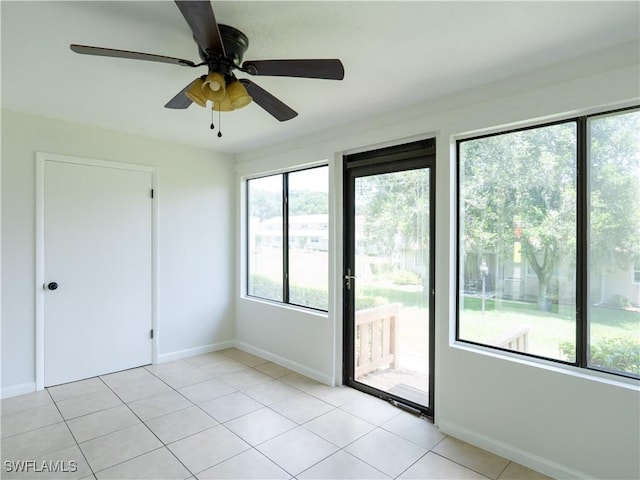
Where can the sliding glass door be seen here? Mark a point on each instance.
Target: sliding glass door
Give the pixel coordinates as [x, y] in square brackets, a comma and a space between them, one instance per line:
[388, 273]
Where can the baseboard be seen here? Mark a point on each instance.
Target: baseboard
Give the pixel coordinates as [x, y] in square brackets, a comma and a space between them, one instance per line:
[20, 389]
[191, 352]
[285, 362]
[14, 390]
[535, 462]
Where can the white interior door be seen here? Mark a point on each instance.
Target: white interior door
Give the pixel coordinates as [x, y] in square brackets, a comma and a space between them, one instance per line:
[98, 250]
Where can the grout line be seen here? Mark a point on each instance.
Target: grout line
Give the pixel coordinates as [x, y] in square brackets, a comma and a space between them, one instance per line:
[430, 450]
[503, 470]
[147, 426]
[412, 464]
[462, 465]
[189, 400]
[72, 435]
[32, 429]
[442, 440]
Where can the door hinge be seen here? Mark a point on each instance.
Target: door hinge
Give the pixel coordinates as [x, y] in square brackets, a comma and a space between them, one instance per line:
[152, 193]
[151, 333]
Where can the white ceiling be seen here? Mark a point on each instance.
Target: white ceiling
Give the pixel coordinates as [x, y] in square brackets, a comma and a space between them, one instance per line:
[395, 54]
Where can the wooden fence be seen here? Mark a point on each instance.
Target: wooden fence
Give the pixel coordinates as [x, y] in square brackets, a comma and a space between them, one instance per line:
[376, 338]
[516, 339]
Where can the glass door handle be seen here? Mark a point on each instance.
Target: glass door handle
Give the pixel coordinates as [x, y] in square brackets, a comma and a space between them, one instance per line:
[348, 277]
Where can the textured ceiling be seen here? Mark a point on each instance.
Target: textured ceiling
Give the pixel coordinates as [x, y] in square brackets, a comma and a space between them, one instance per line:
[395, 54]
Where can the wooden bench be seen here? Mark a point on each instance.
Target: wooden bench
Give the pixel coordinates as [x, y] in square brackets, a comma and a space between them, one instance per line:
[376, 338]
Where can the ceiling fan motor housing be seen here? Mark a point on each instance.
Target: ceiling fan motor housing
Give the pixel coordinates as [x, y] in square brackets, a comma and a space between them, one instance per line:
[235, 44]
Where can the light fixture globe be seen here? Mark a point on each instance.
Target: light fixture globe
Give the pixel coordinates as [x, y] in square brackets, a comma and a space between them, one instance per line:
[194, 93]
[214, 87]
[238, 95]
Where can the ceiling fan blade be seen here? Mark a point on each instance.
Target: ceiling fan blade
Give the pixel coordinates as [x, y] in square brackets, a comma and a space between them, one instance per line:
[268, 102]
[180, 101]
[330, 69]
[110, 52]
[202, 22]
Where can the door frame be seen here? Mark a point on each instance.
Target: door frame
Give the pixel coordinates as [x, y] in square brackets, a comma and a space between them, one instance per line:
[413, 154]
[41, 159]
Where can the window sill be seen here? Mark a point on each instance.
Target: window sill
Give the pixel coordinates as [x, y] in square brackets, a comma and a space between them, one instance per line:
[551, 366]
[286, 306]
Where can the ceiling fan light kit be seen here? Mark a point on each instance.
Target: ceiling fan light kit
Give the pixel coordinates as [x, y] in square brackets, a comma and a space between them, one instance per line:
[221, 48]
[238, 95]
[195, 94]
[214, 87]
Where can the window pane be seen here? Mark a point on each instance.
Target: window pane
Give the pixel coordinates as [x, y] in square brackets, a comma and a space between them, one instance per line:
[614, 242]
[518, 241]
[265, 237]
[309, 237]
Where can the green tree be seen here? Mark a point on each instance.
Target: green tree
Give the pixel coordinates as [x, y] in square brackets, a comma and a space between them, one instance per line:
[521, 187]
[614, 182]
[396, 211]
[308, 202]
[265, 204]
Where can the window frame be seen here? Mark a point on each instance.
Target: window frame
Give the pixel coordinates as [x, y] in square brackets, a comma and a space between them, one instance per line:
[285, 237]
[582, 241]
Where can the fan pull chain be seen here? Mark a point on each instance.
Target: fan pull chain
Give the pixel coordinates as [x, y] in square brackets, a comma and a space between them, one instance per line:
[219, 124]
[212, 125]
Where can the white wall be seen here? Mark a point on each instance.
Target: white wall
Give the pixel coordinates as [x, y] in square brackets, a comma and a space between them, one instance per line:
[556, 419]
[300, 339]
[195, 197]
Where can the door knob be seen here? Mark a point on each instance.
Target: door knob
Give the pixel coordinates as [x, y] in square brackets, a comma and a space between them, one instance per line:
[52, 286]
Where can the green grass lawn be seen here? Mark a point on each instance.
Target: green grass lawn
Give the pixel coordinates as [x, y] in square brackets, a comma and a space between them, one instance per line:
[407, 297]
[548, 329]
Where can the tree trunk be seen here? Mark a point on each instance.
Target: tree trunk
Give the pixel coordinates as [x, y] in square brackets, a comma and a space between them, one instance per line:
[602, 285]
[544, 304]
[543, 272]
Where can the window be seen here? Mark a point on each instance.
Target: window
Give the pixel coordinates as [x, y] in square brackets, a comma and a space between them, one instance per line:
[288, 237]
[636, 270]
[522, 203]
[265, 259]
[614, 241]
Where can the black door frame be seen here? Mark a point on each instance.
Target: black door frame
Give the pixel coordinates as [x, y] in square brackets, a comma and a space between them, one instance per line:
[410, 156]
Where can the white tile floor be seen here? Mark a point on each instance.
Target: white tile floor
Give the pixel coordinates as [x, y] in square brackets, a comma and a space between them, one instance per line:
[230, 415]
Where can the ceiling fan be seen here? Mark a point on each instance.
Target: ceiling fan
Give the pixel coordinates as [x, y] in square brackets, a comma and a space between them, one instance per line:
[221, 48]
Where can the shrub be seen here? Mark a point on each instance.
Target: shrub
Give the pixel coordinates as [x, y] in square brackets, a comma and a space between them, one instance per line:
[369, 302]
[380, 268]
[616, 353]
[405, 277]
[309, 296]
[264, 287]
[618, 301]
